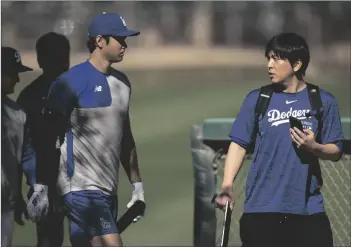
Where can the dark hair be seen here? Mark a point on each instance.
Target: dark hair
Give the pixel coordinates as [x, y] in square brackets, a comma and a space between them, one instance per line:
[91, 43]
[52, 49]
[292, 47]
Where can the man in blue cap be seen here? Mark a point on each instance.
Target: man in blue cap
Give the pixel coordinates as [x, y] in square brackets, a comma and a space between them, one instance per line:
[17, 151]
[88, 113]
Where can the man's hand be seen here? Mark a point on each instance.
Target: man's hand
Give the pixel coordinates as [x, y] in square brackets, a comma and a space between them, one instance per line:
[38, 204]
[20, 209]
[305, 140]
[223, 198]
[137, 194]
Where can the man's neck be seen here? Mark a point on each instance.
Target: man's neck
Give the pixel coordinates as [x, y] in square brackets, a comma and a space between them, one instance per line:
[4, 97]
[99, 62]
[51, 74]
[294, 85]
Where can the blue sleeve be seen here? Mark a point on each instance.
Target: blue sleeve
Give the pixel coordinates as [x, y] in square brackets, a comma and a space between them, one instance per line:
[29, 159]
[332, 129]
[60, 102]
[243, 126]
[61, 98]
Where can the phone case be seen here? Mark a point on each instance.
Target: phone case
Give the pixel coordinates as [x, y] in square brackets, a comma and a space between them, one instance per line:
[294, 122]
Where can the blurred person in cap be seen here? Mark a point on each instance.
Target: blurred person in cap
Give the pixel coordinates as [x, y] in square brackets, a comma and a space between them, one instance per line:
[89, 106]
[53, 51]
[17, 155]
[284, 204]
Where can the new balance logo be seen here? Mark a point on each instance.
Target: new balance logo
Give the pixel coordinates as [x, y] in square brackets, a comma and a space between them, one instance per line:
[98, 89]
[289, 102]
[104, 223]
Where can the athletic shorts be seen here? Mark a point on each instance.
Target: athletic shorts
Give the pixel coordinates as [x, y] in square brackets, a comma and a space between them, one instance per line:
[91, 213]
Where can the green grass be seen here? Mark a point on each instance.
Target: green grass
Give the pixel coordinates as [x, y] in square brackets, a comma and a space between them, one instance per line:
[164, 106]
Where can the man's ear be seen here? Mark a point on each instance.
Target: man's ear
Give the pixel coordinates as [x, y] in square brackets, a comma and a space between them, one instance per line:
[100, 41]
[297, 66]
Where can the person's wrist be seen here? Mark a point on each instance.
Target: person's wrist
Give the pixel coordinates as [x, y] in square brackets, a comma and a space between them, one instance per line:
[135, 178]
[316, 147]
[138, 187]
[227, 188]
[40, 188]
[227, 191]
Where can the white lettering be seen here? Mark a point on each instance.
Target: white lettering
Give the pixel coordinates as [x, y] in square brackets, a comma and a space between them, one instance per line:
[277, 117]
[274, 115]
[17, 57]
[98, 89]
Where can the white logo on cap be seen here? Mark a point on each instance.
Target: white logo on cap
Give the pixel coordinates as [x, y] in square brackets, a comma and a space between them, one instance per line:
[17, 57]
[123, 21]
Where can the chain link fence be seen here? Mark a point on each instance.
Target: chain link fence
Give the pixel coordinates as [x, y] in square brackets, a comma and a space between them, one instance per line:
[209, 163]
[336, 191]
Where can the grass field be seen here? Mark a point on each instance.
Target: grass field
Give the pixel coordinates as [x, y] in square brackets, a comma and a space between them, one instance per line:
[164, 106]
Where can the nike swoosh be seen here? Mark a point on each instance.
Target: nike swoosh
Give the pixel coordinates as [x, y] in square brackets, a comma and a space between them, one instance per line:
[289, 102]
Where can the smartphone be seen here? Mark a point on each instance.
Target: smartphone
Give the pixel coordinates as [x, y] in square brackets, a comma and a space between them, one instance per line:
[294, 122]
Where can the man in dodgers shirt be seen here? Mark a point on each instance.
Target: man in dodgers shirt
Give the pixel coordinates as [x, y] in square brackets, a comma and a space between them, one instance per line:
[284, 204]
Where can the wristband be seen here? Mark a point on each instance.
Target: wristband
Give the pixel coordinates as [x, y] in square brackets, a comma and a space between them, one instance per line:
[138, 187]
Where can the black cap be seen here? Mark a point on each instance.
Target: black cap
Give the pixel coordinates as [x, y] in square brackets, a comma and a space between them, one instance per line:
[11, 61]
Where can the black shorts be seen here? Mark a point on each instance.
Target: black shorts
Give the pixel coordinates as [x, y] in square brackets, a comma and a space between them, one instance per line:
[288, 230]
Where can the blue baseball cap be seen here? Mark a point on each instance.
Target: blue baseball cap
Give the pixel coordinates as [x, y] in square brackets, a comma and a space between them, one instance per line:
[110, 24]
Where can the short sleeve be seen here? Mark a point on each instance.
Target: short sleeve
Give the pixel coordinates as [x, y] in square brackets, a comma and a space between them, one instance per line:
[332, 129]
[243, 126]
[61, 98]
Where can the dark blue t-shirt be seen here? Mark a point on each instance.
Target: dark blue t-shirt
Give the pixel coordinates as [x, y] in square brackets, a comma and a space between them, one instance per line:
[283, 179]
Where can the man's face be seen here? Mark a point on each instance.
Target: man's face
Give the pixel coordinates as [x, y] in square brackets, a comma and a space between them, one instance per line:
[279, 69]
[8, 82]
[55, 61]
[114, 50]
